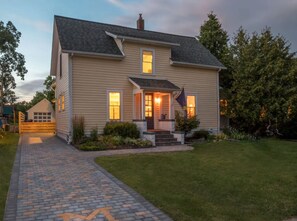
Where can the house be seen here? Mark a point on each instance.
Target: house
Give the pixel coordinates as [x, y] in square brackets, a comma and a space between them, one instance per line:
[41, 112]
[108, 73]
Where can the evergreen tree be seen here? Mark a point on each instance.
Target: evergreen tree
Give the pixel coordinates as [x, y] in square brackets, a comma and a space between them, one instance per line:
[215, 39]
[264, 87]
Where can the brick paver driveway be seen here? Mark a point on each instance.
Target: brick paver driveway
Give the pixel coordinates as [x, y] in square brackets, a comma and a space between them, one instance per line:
[52, 181]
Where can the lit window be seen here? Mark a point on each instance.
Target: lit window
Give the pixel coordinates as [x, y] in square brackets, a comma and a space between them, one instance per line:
[223, 106]
[63, 102]
[114, 105]
[191, 106]
[59, 104]
[147, 62]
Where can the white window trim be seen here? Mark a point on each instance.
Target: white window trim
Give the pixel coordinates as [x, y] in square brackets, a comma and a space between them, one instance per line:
[196, 100]
[141, 61]
[121, 105]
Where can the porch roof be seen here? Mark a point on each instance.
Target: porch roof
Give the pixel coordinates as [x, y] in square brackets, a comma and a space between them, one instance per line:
[153, 84]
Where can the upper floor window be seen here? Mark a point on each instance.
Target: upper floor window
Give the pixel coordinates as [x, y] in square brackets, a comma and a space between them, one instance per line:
[191, 105]
[147, 61]
[114, 103]
[61, 66]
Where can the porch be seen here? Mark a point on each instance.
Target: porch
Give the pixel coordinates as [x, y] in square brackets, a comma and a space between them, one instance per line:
[153, 107]
[153, 110]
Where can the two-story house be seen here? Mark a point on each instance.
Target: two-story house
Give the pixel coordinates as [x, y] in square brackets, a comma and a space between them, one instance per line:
[112, 73]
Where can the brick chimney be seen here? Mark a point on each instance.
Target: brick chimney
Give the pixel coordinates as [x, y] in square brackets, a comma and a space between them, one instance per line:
[140, 23]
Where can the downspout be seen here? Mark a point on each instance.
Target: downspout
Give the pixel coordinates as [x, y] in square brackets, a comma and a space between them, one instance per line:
[69, 140]
[218, 96]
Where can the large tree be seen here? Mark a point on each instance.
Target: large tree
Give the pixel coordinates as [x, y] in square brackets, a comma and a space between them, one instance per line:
[264, 87]
[49, 92]
[11, 61]
[215, 39]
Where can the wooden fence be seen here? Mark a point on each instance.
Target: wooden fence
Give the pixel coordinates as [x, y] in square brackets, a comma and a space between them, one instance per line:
[35, 127]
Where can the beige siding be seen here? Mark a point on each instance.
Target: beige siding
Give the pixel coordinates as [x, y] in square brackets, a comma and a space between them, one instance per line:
[62, 88]
[92, 77]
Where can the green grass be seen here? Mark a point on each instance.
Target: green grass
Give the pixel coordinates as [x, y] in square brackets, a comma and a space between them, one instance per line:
[8, 146]
[216, 181]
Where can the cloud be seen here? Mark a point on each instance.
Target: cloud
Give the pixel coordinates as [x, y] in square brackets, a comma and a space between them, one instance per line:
[186, 16]
[28, 89]
[40, 25]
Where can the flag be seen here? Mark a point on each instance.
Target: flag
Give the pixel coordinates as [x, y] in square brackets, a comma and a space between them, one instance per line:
[181, 98]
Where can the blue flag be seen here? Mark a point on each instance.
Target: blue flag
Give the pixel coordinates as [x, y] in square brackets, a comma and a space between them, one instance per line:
[181, 99]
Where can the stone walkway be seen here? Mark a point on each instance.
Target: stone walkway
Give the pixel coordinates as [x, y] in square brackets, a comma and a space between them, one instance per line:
[53, 181]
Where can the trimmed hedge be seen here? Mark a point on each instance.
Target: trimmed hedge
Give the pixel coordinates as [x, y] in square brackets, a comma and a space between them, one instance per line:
[123, 129]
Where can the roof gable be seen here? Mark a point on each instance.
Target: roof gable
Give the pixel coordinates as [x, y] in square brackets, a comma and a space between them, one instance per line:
[91, 37]
[42, 106]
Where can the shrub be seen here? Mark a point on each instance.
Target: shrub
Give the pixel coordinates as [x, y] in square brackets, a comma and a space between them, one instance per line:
[92, 146]
[78, 132]
[123, 129]
[201, 134]
[94, 134]
[235, 134]
[289, 129]
[185, 124]
[2, 133]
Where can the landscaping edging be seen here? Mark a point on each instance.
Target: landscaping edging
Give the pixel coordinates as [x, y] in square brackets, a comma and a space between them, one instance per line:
[11, 199]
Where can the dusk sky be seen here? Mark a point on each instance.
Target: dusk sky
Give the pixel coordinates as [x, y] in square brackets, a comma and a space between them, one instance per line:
[34, 19]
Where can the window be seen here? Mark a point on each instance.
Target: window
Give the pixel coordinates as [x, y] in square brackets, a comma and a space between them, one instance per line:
[62, 102]
[114, 99]
[148, 105]
[191, 106]
[42, 117]
[223, 106]
[60, 65]
[147, 62]
[59, 104]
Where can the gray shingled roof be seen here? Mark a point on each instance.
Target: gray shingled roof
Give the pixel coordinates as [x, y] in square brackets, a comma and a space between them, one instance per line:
[91, 37]
[162, 85]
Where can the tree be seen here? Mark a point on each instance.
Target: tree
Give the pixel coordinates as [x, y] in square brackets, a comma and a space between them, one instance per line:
[264, 87]
[49, 92]
[11, 61]
[215, 39]
[37, 98]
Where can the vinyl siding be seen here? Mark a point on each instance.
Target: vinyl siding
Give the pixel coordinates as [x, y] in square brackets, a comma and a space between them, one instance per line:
[92, 77]
[62, 88]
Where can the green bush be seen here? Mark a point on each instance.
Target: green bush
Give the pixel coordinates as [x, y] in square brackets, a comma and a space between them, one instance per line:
[123, 129]
[235, 134]
[201, 134]
[78, 131]
[185, 124]
[94, 134]
[92, 146]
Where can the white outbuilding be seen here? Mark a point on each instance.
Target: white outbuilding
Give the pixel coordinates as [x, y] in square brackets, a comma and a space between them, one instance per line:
[41, 112]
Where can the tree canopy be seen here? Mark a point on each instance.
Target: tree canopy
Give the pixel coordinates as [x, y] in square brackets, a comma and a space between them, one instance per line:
[11, 62]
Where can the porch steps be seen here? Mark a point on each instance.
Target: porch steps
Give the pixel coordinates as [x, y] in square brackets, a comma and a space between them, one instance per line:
[165, 138]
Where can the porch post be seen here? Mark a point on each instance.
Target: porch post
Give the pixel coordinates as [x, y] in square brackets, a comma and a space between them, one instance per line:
[171, 109]
[142, 105]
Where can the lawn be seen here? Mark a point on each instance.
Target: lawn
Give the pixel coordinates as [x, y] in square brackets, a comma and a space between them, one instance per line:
[216, 181]
[8, 146]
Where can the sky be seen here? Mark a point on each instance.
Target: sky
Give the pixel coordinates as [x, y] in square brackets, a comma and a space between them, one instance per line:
[34, 19]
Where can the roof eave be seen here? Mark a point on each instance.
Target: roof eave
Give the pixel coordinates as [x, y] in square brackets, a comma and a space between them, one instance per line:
[141, 40]
[94, 54]
[187, 64]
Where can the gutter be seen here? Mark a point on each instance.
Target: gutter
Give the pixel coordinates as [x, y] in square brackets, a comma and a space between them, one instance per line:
[141, 40]
[94, 54]
[183, 64]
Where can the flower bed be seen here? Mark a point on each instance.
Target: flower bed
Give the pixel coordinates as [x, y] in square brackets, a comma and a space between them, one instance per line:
[108, 142]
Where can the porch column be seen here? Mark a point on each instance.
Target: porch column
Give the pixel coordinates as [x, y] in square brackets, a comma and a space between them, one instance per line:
[171, 109]
[143, 105]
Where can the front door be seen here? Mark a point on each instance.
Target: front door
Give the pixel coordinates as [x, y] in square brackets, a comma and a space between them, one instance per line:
[149, 110]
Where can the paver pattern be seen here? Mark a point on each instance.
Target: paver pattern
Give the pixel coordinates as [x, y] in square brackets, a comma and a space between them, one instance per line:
[57, 182]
